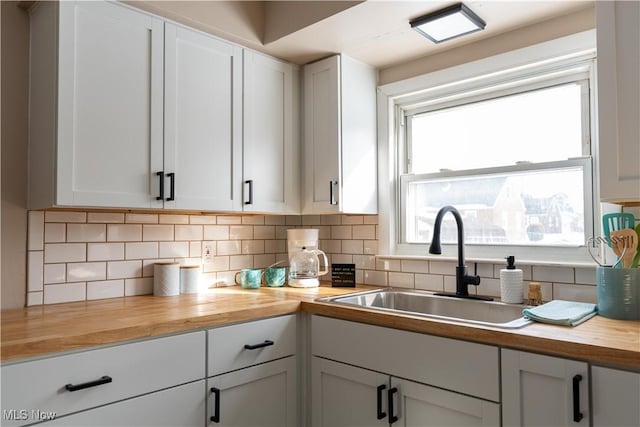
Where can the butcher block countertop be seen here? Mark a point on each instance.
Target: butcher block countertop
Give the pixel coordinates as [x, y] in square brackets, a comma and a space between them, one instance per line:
[42, 330]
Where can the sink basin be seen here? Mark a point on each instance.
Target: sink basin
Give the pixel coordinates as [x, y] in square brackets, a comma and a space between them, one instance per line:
[427, 304]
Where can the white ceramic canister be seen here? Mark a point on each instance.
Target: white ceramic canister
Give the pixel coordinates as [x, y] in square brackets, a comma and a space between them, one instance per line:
[166, 279]
[511, 287]
[189, 277]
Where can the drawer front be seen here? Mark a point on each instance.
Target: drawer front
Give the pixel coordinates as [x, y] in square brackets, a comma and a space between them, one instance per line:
[460, 366]
[134, 369]
[266, 340]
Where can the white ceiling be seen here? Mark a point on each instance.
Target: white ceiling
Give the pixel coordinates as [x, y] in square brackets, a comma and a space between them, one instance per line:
[375, 31]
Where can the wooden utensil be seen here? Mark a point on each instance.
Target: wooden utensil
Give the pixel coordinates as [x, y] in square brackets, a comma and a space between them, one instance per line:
[624, 245]
[616, 221]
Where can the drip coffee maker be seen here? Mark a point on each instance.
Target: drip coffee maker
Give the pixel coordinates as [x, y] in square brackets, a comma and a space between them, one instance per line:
[304, 258]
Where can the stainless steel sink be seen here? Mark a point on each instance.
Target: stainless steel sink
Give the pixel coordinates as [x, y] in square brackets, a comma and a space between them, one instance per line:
[423, 303]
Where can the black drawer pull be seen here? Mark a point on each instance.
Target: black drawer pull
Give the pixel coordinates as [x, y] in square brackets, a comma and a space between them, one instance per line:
[380, 415]
[266, 343]
[216, 405]
[392, 417]
[103, 380]
[172, 186]
[577, 415]
[161, 177]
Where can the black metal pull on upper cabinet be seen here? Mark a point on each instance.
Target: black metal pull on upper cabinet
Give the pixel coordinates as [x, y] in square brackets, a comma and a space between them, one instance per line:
[379, 413]
[577, 415]
[332, 197]
[102, 380]
[172, 188]
[216, 405]
[392, 417]
[161, 185]
[249, 182]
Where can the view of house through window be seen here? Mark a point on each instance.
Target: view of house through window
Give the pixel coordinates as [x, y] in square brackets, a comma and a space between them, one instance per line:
[516, 166]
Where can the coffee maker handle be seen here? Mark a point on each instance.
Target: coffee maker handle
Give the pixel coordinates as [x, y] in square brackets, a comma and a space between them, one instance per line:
[326, 262]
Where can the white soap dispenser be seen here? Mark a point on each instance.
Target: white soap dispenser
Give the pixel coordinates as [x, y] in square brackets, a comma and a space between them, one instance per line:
[511, 290]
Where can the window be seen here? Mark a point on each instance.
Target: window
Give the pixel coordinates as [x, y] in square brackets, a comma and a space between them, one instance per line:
[511, 150]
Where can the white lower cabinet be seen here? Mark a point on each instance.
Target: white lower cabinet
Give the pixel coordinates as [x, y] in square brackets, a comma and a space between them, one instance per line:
[540, 390]
[615, 397]
[263, 395]
[364, 375]
[178, 406]
[348, 396]
[252, 371]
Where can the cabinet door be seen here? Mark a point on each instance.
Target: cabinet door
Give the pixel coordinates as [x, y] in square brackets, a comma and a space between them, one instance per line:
[322, 136]
[541, 390]
[178, 406]
[346, 396]
[270, 146]
[421, 405]
[109, 105]
[263, 395]
[615, 397]
[618, 29]
[203, 116]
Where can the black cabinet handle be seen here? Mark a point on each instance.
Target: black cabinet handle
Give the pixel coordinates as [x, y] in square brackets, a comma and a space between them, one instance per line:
[266, 343]
[250, 201]
[392, 417]
[379, 413]
[172, 183]
[216, 405]
[75, 387]
[161, 177]
[577, 415]
[332, 199]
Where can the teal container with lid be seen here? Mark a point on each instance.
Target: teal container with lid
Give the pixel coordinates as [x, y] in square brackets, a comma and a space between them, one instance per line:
[618, 292]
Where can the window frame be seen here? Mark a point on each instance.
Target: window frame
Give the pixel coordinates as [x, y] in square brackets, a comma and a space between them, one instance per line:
[555, 61]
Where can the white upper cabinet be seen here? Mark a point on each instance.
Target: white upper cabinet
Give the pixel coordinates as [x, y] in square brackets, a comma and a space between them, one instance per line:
[618, 32]
[271, 139]
[339, 166]
[95, 106]
[203, 119]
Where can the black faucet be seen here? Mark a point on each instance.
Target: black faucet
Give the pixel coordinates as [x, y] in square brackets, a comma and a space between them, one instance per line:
[463, 280]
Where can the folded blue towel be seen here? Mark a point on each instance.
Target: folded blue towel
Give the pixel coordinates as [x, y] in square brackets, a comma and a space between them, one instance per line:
[558, 312]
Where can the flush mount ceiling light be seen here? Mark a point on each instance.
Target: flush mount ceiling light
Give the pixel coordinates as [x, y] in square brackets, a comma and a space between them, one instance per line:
[448, 23]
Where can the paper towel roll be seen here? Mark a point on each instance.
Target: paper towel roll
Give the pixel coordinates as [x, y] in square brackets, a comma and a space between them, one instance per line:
[166, 279]
[189, 276]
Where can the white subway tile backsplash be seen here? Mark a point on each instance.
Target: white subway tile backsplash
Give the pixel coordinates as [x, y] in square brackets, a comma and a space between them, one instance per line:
[364, 262]
[264, 232]
[489, 287]
[237, 262]
[263, 260]
[55, 232]
[188, 232]
[35, 275]
[218, 263]
[553, 274]
[240, 232]
[105, 217]
[229, 247]
[216, 232]
[443, 267]
[195, 249]
[370, 247]
[331, 246]
[173, 219]
[375, 278]
[225, 278]
[203, 219]
[401, 280]
[274, 220]
[156, 233]
[124, 269]
[324, 231]
[86, 271]
[139, 286]
[274, 246]
[290, 220]
[174, 249]
[65, 252]
[86, 233]
[64, 216]
[141, 250]
[133, 218]
[253, 219]
[364, 232]
[34, 298]
[310, 220]
[281, 231]
[331, 219]
[253, 246]
[229, 219]
[124, 232]
[370, 219]
[352, 219]
[341, 232]
[586, 276]
[414, 266]
[67, 292]
[450, 284]
[55, 273]
[429, 282]
[340, 259]
[388, 264]
[572, 292]
[35, 231]
[147, 265]
[352, 247]
[105, 289]
[105, 251]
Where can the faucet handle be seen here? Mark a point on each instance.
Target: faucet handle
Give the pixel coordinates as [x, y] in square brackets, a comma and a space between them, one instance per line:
[471, 280]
